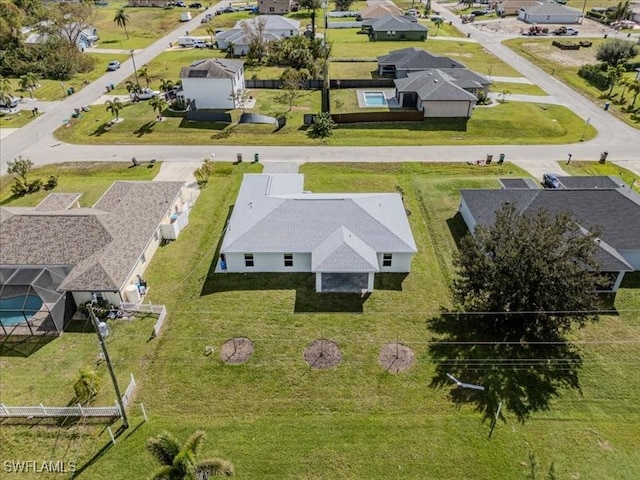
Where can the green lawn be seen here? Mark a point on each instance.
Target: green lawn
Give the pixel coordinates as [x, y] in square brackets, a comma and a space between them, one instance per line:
[275, 418]
[348, 44]
[517, 88]
[15, 120]
[541, 52]
[504, 124]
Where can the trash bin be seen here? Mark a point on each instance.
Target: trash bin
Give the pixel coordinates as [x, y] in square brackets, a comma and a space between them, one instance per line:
[256, 157]
[603, 157]
[69, 91]
[501, 158]
[113, 87]
[239, 157]
[73, 89]
[489, 158]
[606, 106]
[108, 88]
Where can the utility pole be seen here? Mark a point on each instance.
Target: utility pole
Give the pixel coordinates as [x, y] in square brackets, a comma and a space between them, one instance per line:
[135, 72]
[103, 345]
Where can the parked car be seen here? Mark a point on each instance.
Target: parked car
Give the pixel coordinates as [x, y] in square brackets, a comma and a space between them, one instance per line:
[202, 44]
[11, 103]
[565, 31]
[180, 4]
[113, 66]
[195, 5]
[550, 180]
[145, 94]
[228, 9]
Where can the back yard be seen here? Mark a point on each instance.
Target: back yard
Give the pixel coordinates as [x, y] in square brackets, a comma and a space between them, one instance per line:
[274, 417]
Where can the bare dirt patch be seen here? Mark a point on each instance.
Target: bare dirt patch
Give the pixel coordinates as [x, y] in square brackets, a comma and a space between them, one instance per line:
[322, 354]
[396, 357]
[236, 350]
[511, 25]
[572, 58]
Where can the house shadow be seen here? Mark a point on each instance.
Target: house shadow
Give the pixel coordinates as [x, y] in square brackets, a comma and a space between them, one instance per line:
[389, 281]
[457, 228]
[480, 349]
[23, 345]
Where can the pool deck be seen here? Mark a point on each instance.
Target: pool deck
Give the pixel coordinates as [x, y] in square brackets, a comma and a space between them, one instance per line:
[389, 95]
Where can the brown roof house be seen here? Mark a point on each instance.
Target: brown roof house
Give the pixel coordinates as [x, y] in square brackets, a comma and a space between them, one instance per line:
[57, 255]
[379, 9]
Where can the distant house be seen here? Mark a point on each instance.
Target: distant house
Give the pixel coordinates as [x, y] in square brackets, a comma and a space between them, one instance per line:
[274, 7]
[550, 13]
[512, 7]
[603, 204]
[273, 27]
[57, 255]
[379, 9]
[213, 83]
[399, 63]
[441, 93]
[86, 38]
[343, 238]
[149, 3]
[394, 27]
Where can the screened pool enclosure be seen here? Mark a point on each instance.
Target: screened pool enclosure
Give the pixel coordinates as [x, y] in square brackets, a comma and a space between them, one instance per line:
[30, 303]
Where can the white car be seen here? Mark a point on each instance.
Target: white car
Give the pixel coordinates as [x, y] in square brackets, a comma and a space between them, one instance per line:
[145, 94]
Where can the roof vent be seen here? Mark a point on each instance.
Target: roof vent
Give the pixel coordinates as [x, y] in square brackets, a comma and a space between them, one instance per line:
[435, 81]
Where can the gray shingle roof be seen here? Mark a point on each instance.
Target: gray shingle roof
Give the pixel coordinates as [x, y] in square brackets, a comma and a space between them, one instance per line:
[413, 58]
[102, 243]
[271, 22]
[58, 201]
[519, 183]
[273, 214]
[591, 181]
[213, 68]
[396, 23]
[433, 86]
[343, 250]
[613, 212]
[465, 78]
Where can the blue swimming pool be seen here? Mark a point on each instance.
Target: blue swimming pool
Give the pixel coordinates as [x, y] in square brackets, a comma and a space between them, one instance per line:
[14, 310]
[374, 99]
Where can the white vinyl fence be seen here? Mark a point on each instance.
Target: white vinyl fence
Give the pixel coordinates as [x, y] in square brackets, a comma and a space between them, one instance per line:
[160, 310]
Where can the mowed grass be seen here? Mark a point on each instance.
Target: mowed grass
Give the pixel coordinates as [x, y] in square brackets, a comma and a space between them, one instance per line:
[348, 44]
[16, 120]
[517, 88]
[504, 124]
[545, 56]
[276, 418]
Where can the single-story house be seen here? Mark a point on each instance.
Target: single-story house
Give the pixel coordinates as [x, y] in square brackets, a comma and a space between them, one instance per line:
[604, 204]
[86, 38]
[436, 93]
[150, 3]
[274, 7]
[273, 27]
[379, 9]
[513, 7]
[399, 63]
[343, 238]
[395, 27]
[550, 13]
[213, 83]
[57, 255]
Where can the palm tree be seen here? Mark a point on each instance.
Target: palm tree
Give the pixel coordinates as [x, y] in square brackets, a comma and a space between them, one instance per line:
[634, 86]
[159, 104]
[312, 5]
[624, 82]
[5, 90]
[144, 74]
[88, 385]
[438, 23]
[211, 31]
[614, 74]
[179, 461]
[165, 85]
[115, 107]
[122, 19]
[29, 81]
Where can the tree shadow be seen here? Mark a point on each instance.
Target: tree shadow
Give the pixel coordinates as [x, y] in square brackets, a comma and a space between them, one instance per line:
[457, 228]
[145, 129]
[101, 130]
[480, 349]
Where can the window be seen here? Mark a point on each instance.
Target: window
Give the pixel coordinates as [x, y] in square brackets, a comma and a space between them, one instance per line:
[271, 9]
[288, 259]
[248, 260]
[387, 259]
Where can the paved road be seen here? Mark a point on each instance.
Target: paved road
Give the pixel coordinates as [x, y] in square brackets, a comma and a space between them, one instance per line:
[621, 141]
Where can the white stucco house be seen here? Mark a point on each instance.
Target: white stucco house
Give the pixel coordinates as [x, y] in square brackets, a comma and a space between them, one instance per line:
[58, 254]
[273, 27]
[550, 12]
[343, 238]
[213, 83]
[86, 38]
[604, 204]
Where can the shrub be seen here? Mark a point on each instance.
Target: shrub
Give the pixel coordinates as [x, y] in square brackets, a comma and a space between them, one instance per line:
[34, 186]
[322, 126]
[596, 75]
[52, 182]
[19, 187]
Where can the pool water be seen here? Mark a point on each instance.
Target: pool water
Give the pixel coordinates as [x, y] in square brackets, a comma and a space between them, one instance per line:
[374, 99]
[13, 310]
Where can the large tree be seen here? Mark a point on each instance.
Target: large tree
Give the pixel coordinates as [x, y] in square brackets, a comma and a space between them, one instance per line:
[616, 50]
[257, 40]
[67, 19]
[179, 461]
[521, 285]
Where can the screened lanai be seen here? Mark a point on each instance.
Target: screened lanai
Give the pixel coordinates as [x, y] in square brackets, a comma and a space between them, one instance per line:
[30, 303]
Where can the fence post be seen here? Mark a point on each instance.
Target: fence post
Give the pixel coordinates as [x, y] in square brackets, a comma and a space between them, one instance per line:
[81, 412]
[4, 409]
[44, 410]
[113, 439]
[144, 412]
